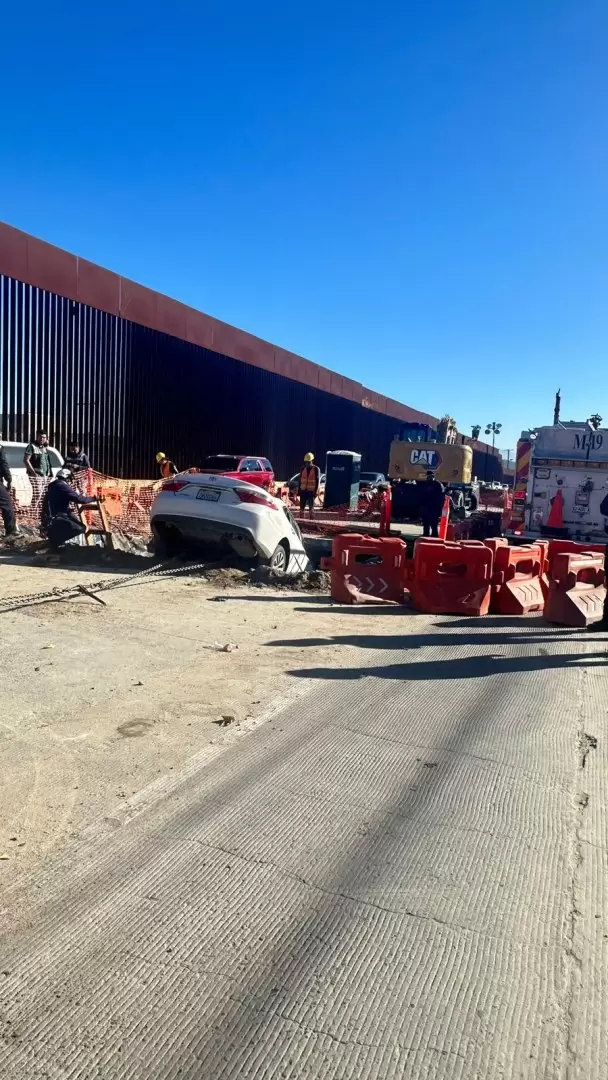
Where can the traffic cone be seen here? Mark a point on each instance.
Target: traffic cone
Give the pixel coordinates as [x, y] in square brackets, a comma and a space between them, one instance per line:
[556, 513]
[445, 518]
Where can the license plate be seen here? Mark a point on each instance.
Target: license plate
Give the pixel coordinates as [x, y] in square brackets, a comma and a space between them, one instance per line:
[208, 494]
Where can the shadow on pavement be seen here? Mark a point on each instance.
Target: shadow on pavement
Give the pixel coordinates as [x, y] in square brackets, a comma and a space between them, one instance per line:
[421, 641]
[271, 598]
[474, 667]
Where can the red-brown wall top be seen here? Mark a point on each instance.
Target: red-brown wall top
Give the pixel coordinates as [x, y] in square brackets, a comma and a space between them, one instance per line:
[37, 263]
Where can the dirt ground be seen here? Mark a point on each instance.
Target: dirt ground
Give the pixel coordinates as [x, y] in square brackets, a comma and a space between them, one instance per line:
[100, 705]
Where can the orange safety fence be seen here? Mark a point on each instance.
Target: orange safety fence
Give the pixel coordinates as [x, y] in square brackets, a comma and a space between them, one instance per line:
[127, 502]
[327, 522]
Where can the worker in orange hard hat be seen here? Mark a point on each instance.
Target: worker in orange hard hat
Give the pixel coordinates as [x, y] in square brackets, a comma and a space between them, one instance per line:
[308, 487]
[166, 466]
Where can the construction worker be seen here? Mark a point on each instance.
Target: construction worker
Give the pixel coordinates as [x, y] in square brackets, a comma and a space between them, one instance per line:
[37, 461]
[309, 484]
[7, 508]
[431, 504]
[166, 466]
[76, 458]
[59, 520]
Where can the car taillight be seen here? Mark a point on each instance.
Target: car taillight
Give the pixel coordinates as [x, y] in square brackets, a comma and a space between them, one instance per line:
[255, 497]
[175, 485]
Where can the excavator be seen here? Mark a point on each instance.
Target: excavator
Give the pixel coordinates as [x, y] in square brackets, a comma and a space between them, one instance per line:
[419, 449]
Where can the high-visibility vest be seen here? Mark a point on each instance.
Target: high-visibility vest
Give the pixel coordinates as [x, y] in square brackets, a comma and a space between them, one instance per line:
[309, 478]
[167, 469]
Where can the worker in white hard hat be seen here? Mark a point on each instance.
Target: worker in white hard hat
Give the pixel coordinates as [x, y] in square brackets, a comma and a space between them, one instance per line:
[59, 520]
[167, 467]
[309, 484]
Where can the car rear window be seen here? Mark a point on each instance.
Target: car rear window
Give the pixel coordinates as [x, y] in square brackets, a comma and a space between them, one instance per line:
[369, 477]
[266, 464]
[223, 462]
[14, 456]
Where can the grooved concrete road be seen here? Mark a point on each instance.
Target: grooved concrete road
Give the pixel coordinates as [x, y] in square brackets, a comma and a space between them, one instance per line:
[402, 875]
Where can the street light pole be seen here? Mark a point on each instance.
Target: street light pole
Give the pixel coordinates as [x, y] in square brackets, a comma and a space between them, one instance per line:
[492, 429]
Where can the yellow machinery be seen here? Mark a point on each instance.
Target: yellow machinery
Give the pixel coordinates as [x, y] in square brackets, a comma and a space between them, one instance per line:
[449, 463]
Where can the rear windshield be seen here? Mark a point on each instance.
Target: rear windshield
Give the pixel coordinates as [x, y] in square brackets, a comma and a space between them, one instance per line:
[369, 477]
[222, 462]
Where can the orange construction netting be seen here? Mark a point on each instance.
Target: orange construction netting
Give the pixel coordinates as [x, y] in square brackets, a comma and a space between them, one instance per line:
[127, 502]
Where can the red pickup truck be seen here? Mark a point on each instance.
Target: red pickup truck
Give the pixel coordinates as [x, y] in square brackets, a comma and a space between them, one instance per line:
[253, 470]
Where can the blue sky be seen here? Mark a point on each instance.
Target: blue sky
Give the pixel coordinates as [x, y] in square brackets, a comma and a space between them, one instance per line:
[412, 194]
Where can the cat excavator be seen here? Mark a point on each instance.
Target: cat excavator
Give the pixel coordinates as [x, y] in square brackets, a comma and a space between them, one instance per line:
[419, 449]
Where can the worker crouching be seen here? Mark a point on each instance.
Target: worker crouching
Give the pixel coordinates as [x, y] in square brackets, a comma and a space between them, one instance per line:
[60, 522]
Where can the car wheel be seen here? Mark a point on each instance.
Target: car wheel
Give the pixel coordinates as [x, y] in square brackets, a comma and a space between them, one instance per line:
[279, 559]
[168, 540]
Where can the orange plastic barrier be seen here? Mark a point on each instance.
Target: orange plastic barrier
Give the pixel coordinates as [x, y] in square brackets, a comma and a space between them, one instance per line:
[373, 567]
[451, 579]
[494, 543]
[570, 547]
[544, 567]
[516, 579]
[576, 589]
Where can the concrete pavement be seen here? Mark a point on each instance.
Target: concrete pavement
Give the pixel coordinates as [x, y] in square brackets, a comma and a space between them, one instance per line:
[402, 875]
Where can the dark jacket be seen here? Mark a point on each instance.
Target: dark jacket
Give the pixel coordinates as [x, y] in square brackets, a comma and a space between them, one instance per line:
[5, 472]
[77, 461]
[431, 499]
[60, 495]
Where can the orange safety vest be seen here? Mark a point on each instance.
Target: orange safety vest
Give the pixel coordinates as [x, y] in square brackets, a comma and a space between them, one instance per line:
[309, 478]
[167, 469]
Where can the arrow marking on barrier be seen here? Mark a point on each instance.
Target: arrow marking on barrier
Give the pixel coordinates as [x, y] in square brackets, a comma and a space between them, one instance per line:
[372, 585]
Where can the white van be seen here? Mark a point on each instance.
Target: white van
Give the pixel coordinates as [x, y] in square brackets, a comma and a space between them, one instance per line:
[13, 452]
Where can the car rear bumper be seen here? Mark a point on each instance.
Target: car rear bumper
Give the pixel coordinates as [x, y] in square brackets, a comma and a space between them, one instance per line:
[205, 531]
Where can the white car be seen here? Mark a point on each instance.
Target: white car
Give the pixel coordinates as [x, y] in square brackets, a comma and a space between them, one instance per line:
[14, 451]
[226, 512]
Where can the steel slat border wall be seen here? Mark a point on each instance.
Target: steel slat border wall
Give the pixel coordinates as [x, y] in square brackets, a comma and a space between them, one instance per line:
[129, 391]
[62, 367]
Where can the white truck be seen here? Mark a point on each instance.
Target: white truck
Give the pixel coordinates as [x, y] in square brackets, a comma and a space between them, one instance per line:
[572, 458]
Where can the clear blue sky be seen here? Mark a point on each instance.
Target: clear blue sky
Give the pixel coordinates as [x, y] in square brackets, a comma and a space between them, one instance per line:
[414, 194]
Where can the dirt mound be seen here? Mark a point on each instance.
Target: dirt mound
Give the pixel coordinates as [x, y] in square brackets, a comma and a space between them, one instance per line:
[131, 553]
[310, 581]
[233, 573]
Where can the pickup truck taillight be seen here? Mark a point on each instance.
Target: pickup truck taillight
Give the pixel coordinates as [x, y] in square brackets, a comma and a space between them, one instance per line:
[255, 497]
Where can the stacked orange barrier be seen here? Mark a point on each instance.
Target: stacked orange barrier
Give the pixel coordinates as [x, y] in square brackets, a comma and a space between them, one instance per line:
[451, 579]
[576, 590]
[570, 547]
[516, 579]
[374, 568]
